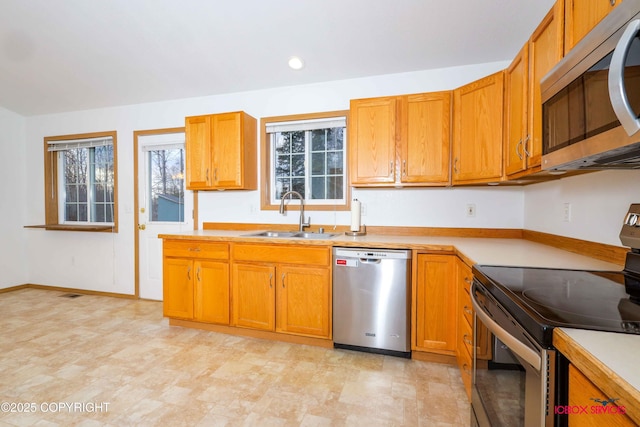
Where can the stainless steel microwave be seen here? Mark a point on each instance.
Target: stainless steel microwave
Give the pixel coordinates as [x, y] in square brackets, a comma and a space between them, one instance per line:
[591, 98]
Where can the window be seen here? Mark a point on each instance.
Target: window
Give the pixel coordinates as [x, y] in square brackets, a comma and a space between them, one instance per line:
[164, 175]
[307, 154]
[80, 180]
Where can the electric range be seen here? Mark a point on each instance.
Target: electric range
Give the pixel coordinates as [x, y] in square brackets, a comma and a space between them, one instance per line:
[521, 306]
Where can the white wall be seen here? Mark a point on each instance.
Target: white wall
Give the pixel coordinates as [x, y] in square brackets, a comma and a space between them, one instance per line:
[13, 196]
[104, 262]
[599, 202]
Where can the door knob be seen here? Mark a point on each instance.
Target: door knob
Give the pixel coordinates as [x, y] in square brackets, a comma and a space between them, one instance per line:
[142, 227]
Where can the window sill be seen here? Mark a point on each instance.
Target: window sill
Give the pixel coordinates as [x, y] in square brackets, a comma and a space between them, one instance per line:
[66, 227]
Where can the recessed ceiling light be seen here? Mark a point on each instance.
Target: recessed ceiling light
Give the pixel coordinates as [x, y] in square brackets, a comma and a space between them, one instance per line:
[296, 63]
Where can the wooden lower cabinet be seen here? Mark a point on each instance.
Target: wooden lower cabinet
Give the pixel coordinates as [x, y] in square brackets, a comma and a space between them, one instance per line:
[286, 296]
[435, 304]
[464, 349]
[253, 296]
[582, 393]
[303, 303]
[196, 281]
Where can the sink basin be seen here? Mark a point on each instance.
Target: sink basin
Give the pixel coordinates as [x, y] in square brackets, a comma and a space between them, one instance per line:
[292, 234]
[311, 235]
[273, 234]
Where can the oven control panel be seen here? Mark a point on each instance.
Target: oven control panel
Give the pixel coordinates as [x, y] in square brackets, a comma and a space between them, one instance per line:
[630, 233]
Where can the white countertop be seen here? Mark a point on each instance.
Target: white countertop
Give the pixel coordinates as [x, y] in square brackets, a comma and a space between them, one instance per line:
[488, 251]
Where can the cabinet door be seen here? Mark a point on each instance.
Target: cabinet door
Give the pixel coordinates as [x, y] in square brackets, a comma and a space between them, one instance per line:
[226, 150]
[477, 131]
[545, 51]
[253, 296]
[198, 153]
[426, 138]
[436, 302]
[515, 113]
[581, 393]
[303, 301]
[211, 292]
[372, 140]
[177, 287]
[581, 16]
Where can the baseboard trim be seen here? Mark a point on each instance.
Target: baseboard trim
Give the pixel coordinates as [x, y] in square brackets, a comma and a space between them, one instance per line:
[70, 290]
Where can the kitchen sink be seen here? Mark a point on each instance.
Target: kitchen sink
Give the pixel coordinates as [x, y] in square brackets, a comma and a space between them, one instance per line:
[311, 235]
[292, 234]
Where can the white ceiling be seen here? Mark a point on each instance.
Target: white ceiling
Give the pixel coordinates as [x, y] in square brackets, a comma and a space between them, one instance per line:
[67, 55]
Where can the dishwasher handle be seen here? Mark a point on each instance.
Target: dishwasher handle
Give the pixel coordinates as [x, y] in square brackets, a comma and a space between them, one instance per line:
[370, 260]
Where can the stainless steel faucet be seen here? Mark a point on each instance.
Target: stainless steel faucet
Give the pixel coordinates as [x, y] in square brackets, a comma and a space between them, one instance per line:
[295, 193]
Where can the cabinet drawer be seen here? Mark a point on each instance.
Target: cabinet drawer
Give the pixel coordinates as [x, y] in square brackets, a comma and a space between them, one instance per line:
[465, 333]
[195, 249]
[465, 304]
[283, 254]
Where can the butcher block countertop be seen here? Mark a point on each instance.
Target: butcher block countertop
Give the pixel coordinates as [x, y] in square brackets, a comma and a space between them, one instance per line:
[609, 359]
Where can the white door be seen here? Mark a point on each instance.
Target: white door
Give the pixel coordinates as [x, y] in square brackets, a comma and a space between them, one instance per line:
[164, 205]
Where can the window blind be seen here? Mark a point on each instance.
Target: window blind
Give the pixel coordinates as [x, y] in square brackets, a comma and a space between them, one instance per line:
[62, 145]
[302, 125]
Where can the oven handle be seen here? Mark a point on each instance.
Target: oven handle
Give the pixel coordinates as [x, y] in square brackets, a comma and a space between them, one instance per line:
[530, 356]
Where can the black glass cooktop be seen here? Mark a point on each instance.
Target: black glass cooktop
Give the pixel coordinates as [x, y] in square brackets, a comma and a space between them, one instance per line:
[541, 299]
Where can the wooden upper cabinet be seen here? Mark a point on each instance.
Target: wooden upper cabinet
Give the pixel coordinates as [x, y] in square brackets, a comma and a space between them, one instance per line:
[545, 51]
[515, 121]
[477, 131]
[198, 152]
[221, 152]
[425, 142]
[401, 140]
[372, 140]
[581, 16]
[523, 102]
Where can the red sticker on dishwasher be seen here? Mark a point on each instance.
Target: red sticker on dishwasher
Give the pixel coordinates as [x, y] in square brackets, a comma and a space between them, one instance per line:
[347, 262]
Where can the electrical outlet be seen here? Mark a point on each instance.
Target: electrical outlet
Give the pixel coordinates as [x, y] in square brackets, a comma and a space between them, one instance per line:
[363, 209]
[566, 212]
[471, 210]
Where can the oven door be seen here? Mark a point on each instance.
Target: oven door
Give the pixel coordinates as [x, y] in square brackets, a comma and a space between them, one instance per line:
[502, 395]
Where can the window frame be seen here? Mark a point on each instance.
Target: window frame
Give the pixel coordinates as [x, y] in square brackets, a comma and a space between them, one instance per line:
[266, 164]
[52, 181]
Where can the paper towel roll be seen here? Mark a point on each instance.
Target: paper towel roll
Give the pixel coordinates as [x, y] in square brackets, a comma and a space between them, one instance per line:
[355, 215]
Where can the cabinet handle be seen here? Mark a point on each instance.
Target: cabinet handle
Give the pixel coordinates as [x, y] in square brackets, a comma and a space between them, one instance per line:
[465, 367]
[455, 165]
[271, 280]
[215, 175]
[391, 167]
[467, 310]
[466, 340]
[194, 249]
[189, 273]
[198, 274]
[283, 276]
[404, 168]
[524, 144]
[518, 151]
[207, 178]
[613, 2]
[469, 281]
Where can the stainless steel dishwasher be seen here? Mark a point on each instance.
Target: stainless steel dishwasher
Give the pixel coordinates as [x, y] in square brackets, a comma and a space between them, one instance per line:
[371, 294]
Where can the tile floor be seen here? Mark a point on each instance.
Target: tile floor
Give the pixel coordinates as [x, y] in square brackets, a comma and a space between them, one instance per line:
[96, 361]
